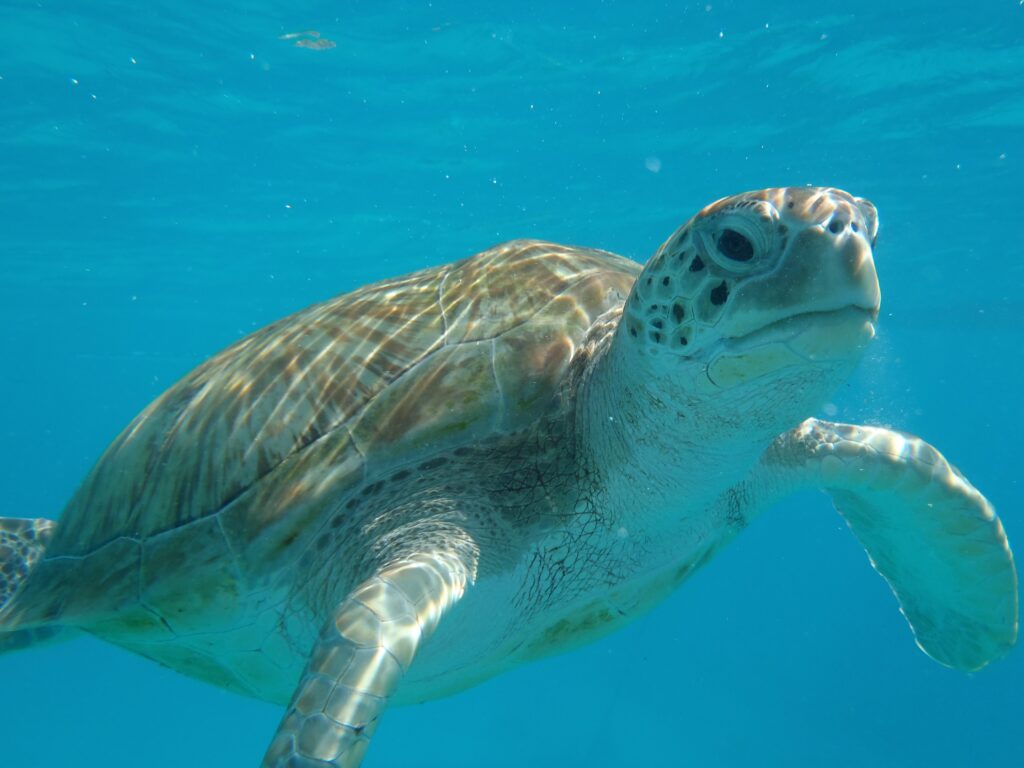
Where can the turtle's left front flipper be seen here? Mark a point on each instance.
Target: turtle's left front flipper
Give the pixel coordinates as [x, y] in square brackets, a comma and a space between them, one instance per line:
[929, 532]
[364, 650]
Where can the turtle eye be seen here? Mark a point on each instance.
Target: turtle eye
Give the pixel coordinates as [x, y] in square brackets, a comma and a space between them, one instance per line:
[735, 246]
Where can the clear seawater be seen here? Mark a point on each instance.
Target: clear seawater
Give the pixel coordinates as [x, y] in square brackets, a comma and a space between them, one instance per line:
[174, 175]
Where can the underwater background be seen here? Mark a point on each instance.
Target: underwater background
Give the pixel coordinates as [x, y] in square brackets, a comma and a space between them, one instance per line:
[174, 175]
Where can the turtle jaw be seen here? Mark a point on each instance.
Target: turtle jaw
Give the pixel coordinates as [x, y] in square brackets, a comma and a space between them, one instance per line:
[828, 340]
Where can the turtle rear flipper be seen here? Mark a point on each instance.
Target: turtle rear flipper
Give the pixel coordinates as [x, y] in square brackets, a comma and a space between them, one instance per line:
[22, 543]
[933, 537]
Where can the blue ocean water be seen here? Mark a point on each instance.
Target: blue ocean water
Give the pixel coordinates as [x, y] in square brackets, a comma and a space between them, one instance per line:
[174, 175]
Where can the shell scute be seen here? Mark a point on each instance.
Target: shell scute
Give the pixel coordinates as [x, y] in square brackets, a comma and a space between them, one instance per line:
[214, 583]
[282, 512]
[451, 398]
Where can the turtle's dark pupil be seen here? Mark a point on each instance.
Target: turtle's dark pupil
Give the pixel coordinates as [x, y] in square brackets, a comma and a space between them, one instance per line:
[735, 246]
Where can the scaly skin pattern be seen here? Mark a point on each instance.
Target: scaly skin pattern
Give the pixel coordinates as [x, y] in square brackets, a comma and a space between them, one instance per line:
[400, 492]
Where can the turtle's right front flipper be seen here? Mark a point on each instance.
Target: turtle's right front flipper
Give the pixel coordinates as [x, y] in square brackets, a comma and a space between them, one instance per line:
[364, 650]
[926, 529]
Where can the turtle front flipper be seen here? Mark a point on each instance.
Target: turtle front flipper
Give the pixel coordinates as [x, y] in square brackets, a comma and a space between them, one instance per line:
[364, 650]
[934, 538]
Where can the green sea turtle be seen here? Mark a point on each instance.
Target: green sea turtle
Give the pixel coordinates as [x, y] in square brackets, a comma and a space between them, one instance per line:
[509, 455]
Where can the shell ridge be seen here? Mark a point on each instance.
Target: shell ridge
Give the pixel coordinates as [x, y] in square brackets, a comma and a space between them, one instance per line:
[500, 419]
[525, 321]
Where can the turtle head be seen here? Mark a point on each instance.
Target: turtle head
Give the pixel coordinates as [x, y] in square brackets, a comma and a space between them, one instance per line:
[762, 302]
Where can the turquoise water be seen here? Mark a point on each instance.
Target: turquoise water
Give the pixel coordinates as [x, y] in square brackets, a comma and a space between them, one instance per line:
[174, 175]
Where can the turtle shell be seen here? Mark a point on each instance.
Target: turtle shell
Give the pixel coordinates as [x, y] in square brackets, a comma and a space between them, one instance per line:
[250, 445]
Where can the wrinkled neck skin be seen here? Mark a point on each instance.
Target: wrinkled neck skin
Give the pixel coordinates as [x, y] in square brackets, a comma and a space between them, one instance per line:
[669, 443]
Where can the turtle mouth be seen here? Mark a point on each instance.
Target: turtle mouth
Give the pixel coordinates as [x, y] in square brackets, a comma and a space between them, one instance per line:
[826, 340]
[816, 336]
[847, 311]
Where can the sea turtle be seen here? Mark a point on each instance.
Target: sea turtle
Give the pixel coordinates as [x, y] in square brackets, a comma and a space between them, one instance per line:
[509, 455]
